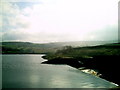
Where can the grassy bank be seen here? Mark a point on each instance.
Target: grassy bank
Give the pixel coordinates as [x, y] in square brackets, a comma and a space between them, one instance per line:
[86, 52]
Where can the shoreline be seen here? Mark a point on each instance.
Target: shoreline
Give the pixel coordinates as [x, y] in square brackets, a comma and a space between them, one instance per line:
[83, 69]
[90, 66]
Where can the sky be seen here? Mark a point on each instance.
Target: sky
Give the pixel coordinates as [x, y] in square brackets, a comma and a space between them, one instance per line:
[43, 21]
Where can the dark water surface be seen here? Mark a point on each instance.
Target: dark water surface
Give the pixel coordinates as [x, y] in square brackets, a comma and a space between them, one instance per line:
[26, 71]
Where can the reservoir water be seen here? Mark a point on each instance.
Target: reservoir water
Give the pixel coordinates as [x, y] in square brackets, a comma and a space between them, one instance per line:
[26, 71]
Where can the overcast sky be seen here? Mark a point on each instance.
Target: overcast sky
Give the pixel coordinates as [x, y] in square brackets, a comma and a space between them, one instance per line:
[59, 20]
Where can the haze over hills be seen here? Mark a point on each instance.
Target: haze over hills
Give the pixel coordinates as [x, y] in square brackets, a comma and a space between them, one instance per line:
[28, 47]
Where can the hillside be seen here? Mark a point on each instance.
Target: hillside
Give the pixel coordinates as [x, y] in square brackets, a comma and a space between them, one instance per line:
[26, 48]
[87, 51]
[38, 48]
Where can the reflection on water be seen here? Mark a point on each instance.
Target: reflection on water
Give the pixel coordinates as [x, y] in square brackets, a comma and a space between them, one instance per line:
[25, 71]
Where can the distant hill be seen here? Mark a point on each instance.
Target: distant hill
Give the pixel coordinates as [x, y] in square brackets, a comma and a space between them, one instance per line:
[37, 48]
[26, 48]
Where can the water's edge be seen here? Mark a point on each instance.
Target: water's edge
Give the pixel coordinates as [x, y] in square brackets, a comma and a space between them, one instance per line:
[76, 64]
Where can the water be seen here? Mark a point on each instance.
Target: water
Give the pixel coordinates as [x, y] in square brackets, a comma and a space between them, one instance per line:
[26, 71]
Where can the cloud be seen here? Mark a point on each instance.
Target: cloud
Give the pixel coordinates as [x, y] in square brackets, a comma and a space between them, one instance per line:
[60, 20]
[12, 17]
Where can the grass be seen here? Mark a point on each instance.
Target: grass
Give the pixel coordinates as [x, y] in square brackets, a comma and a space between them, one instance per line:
[86, 52]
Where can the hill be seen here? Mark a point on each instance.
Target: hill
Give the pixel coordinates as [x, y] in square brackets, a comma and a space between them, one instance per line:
[38, 48]
[26, 48]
